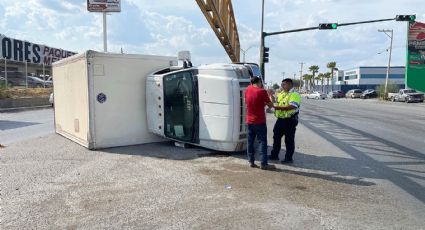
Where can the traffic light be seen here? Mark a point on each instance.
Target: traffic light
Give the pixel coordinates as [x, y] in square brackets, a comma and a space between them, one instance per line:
[328, 26]
[266, 54]
[409, 18]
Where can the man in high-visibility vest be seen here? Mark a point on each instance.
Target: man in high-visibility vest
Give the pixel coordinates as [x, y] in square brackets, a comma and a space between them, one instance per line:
[286, 112]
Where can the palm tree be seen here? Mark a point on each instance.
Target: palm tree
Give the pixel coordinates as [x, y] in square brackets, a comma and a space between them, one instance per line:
[320, 76]
[307, 78]
[327, 75]
[331, 65]
[314, 69]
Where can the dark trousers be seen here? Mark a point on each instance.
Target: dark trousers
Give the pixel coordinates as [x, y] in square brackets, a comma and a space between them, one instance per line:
[284, 127]
[259, 132]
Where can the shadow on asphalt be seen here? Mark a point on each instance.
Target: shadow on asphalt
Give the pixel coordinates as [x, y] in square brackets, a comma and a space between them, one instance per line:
[6, 125]
[336, 169]
[362, 146]
[166, 150]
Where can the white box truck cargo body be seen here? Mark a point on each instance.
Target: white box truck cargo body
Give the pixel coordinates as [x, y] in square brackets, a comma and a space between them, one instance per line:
[100, 98]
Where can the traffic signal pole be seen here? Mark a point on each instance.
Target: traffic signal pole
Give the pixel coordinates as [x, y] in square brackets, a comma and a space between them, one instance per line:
[262, 43]
[334, 26]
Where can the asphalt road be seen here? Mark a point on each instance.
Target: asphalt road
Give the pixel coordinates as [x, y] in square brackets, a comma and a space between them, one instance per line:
[17, 126]
[351, 171]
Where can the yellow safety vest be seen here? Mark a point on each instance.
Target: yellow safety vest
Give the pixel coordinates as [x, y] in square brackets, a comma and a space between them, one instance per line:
[288, 98]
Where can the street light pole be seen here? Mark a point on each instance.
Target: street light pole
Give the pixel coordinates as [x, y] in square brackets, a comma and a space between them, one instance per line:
[389, 59]
[244, 51]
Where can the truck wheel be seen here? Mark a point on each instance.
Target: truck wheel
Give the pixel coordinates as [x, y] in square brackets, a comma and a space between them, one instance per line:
[392, 99]
[406, 100]
[317, 98]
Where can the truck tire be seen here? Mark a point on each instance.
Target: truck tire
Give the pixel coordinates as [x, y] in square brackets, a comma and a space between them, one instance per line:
[392, 99]
[406, 100]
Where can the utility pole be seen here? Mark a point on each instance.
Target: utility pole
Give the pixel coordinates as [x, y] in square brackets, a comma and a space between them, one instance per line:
[389, 59]
[262, 42]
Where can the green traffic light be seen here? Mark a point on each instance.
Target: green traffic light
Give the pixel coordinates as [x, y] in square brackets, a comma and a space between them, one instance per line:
[412, 18]
[334, 25]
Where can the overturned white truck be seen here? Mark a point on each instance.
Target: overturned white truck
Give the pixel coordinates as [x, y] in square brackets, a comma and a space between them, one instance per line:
[200, 105]
[106, 100]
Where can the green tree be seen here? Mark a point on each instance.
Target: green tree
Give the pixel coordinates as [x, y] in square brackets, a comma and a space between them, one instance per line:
[391, 88]
[275, 86]
[313, 69]
[307, 78]
[320, 77]
[327, 75]
[332, 66]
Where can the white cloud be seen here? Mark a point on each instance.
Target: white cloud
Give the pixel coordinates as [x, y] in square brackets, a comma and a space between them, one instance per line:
[165, 27]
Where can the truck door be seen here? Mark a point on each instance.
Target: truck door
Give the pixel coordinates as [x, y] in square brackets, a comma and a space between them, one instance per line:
[181, 106]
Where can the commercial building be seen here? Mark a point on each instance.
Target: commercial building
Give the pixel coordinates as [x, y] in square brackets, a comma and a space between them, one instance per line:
[28, 58]
[367, 77]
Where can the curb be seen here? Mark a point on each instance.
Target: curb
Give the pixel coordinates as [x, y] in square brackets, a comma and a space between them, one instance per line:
[19, 109]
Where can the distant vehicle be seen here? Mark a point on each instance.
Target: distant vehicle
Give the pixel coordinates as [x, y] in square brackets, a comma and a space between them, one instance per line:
[14, 78]
[369, 93]
[406, 95]
[336, 94]
[354, 93]
[316, 95]
[36, 82]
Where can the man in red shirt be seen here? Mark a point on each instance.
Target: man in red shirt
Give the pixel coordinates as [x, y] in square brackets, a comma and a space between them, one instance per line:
[256, 99]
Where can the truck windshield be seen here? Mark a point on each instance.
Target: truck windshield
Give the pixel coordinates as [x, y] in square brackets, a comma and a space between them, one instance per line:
[179, 102]
[410, 91]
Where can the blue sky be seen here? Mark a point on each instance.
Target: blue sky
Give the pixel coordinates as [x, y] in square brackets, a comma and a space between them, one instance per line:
[164, 27]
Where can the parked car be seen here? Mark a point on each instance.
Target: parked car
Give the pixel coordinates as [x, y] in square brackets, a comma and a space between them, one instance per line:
[36, 82]
[354, 93]
[14, 78]
[336, 94]
[369, 93]
[406, 95]
[316, 95]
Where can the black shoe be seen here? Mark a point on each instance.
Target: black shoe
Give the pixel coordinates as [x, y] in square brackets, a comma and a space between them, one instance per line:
[253, 165]
[287, 161]
[267, 167]
[273, 158]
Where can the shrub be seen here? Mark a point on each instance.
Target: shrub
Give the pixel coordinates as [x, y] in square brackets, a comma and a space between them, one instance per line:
[391, 88]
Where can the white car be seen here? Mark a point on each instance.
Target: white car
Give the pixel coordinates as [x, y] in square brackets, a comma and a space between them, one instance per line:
[316, 95]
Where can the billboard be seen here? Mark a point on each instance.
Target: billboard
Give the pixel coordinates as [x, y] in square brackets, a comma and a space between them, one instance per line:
[104, 5]
[21, 51]
[415, 71]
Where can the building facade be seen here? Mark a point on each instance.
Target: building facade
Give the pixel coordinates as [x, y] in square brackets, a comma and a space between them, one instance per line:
[28, 58]
[365, 77]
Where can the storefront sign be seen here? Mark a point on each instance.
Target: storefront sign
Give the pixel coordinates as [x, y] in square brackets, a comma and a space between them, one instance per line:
[415, 71]
[21, 51]
[104, 5]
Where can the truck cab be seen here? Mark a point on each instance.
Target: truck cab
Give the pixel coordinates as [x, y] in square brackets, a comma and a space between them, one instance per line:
[203, 105]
